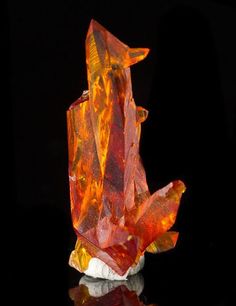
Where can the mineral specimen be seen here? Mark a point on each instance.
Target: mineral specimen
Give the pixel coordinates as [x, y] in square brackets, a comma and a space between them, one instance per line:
[115, 217]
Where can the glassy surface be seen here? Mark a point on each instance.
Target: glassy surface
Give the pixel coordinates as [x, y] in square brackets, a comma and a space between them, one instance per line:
[92, 291]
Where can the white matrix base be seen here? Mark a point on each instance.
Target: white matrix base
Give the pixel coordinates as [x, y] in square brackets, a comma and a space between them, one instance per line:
[99, 269]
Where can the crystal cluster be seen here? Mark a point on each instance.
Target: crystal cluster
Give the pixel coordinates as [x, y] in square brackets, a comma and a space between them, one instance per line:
[115, 217]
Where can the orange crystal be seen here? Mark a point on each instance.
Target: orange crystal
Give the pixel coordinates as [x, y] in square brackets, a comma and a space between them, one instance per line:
[114, 216]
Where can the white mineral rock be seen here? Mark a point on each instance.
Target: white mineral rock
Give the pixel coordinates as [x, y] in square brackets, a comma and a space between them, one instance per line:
[100, 287]
[99, 269]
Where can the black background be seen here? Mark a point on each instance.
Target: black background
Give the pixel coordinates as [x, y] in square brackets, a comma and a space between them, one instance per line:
[187, 83]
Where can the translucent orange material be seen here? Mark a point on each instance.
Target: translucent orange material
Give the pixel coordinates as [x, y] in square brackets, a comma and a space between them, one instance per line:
[113, 213]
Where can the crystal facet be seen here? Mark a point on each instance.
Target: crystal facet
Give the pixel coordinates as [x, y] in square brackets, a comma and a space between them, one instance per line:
[114, 216]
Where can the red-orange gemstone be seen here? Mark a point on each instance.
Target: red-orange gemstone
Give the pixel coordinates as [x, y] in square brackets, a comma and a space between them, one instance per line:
[113, 213]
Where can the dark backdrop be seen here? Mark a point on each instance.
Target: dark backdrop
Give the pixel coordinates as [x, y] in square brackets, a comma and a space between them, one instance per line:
[188, 85]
